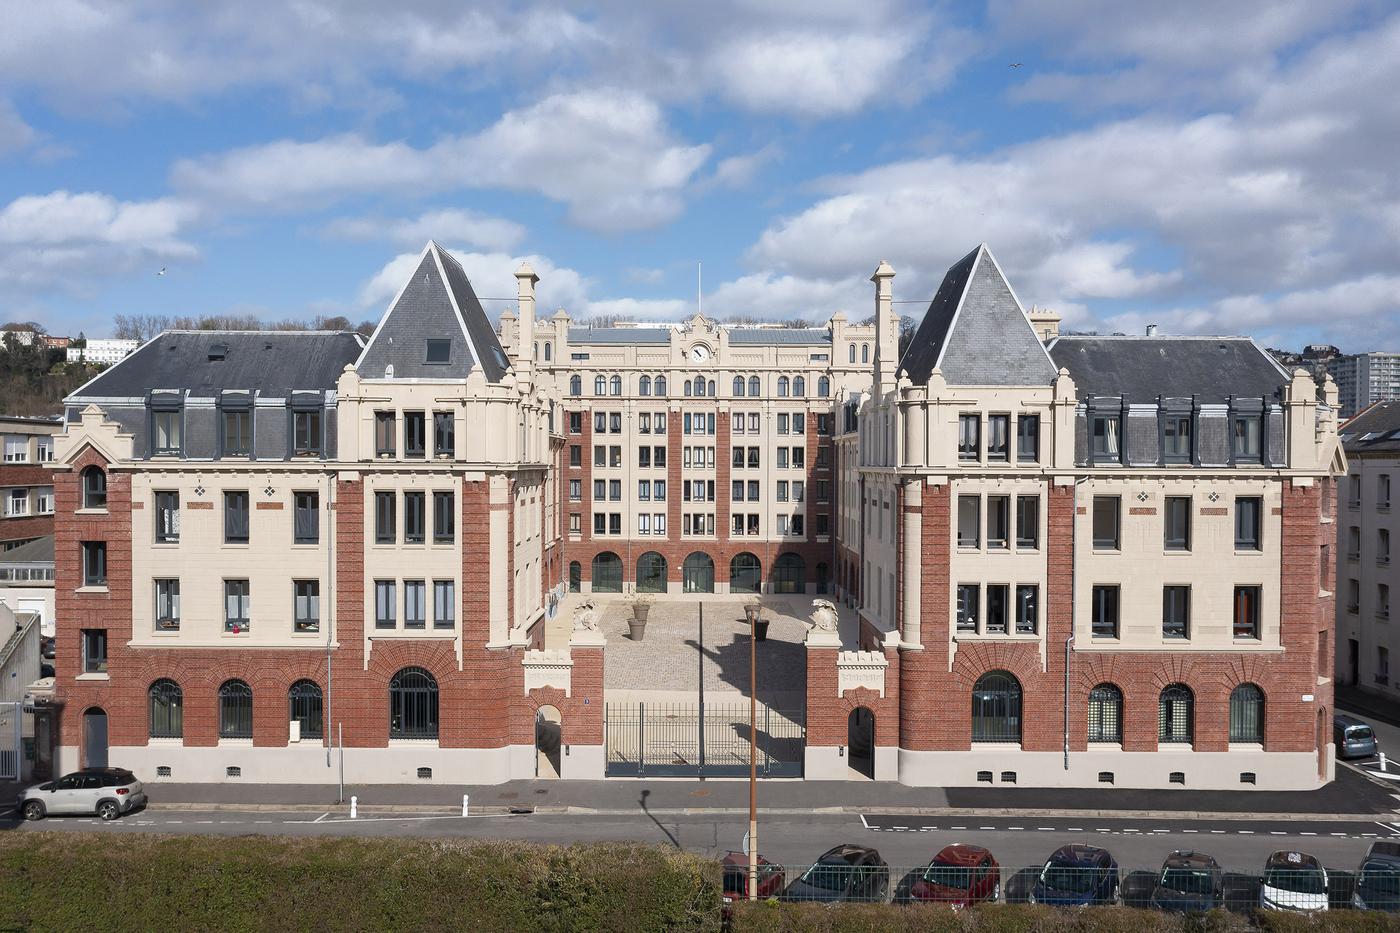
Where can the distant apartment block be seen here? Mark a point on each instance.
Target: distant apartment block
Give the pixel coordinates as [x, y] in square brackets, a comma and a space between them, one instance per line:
[26, 488]
[102, 351]
[1364, 379]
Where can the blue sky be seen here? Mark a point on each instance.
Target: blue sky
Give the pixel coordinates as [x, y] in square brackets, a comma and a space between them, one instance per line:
[1211, 170]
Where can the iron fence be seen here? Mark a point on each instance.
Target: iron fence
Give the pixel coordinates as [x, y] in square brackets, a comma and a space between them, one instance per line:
[690, 740]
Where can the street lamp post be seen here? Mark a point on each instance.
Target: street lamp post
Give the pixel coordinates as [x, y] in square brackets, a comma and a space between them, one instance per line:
[753, 611]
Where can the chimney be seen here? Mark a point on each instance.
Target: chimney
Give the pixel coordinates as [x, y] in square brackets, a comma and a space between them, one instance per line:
[1152, 330]
[1045, 323]
[886, 328]
[525, 280]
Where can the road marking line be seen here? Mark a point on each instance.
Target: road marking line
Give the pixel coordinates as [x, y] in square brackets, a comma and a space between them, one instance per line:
[1338, 834]
[1214, 832]
[1246, 832]
[229, 822]
[1018, 828]
[959, 827]
[986, 827]
[1046, 829]
[1307, 834]
[173, 822]
[1102, 830]
[1076, 829]
[324, 815]
[1387, 826]
[1274, 832]
[864, 822]
[899, 827]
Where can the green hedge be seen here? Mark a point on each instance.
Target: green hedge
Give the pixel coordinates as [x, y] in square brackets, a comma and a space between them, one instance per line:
[71, 881]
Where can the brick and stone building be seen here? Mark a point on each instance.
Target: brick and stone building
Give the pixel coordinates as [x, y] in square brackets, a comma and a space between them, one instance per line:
[25, 486]
[1057, 560]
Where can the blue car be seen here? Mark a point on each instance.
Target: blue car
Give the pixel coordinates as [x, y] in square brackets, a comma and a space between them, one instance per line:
[1077, 876]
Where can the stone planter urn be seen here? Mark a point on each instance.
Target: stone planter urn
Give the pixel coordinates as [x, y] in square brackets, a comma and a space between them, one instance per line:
[637, 625]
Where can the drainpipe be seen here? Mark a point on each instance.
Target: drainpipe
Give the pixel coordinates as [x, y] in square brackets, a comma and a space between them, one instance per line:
[329, 602]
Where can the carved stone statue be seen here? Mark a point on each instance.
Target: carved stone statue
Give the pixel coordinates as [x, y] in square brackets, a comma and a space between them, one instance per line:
[823, 618]
[586, 617]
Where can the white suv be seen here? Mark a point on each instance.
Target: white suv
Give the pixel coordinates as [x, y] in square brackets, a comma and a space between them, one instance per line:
[106, 792]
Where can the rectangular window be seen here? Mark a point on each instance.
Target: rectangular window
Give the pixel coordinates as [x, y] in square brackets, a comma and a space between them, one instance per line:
[1354, 492]
[415, 595]
[1106, 514]
[600, 523]
[753, 458]
[385, 520]
[1104, 612]
[414, 518]
[600, 490]
[414, 434]
[575, 490]
[1176, 612]
[575, 523]
[237, 440]
[444, 434]
[782, 458]
[1027, 609]
[1028, 438]
[237, 606]
[1105, 448]
[996, 608]
[969, 437]
[385, 604]
[1382, 545]
[1353, 543]
[1353, 595]
[1176, 523]
[444, 517]
[1028, 522]
[600, 422]
[615, 523]
[167, 517]
[306, 433]
[644, 524]
[94, 651]
[969, 521]
[575, 455]
[782, 424]
[166, 426]
[968, 598]
[1176, 438]
[1248, 515]
[615, 456]
[1383, 600]
[1246, 442]
[658, 423]
[306, 517]
[799, 457]
[16, 449]
[235, 518]
[384, 434]
[306, 605]
[444, 604]
[575, 422]
[615, 422]
[658, 490]
[168, 605]
[1247, 611]
[1382, 490]
[998, 525]
[615, 490]
[644, 457]
[782, 494]
[998, 441]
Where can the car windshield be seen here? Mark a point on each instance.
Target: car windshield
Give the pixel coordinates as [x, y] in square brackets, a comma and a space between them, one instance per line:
[1075, 879]
[949, 876]
[1380, 877]
[1358, 733]
[1296, 880]
[1188, 880]
[828, 875]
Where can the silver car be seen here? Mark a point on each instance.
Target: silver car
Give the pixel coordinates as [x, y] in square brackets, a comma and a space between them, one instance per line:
[106, 792]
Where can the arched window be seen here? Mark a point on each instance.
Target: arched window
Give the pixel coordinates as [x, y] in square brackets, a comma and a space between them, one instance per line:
[661, 386]
[607, 573]
[235, 710]
[823, 387]
[710, 388]
[616, 385]
[600, 386]
[700, 385]
[304, 706]
[644, 385]
[94, 488]
[698, 573]
[799, 387]
[1175, 710]
[865, 353]
[1106, 714]
[853, 353]
[1247, 714]
[745, 574]
[167, 710]
[789, 574]
[575, 576]
[413, 705]
[547, 355]
[687, 387]
[782, 386]
[754, 385]
[651, 573]
[738, 386]
[575, 385]
[996, 708]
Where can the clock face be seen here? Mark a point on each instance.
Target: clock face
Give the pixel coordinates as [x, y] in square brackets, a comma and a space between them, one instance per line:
[699, 353]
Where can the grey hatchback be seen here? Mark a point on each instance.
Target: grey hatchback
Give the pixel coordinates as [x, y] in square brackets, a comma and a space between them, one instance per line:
[1353, 738]
[106, 792]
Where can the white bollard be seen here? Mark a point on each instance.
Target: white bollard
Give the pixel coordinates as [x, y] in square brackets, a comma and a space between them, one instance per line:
[465, 798]
[354, 801]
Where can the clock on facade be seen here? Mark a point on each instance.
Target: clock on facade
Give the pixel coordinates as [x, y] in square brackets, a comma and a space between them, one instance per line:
[699, 353]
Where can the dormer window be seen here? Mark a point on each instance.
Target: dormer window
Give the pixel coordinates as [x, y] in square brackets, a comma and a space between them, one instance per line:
[1246, 433]
[439, 350]
[1105, 438]
[1176, 437]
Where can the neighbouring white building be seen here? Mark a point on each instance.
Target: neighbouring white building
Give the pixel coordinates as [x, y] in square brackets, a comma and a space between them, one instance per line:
[102, 351]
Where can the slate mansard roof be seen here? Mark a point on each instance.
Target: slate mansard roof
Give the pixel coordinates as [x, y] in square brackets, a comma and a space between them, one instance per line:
[436, 302]
[273, 363]
[1377, 429]
[975, 331]
[738, 336]
[1212, 369]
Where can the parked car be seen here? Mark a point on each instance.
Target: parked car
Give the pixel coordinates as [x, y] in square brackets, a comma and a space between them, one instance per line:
[106, 792]
[1353, 738]
[845, 873]
[1293, 881]
[1190, 881]
[1077, 875]
[959, 875]
[736, 877]
[1378, 878]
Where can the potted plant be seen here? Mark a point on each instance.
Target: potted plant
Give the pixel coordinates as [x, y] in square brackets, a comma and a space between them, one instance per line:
[637, 625]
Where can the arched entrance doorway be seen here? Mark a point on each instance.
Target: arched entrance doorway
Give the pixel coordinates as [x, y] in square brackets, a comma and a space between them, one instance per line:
[698, 573]
[823, 578]
[607, 573]
[548, 736]
[860, 743]
[745, 573]
[95, 738]
[789, 574]
[651, 573]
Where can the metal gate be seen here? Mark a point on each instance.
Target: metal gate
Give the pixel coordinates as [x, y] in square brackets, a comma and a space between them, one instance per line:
[690, 740]
[11, 744]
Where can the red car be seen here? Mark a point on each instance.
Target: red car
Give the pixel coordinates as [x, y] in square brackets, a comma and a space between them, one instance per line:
[771, 877]
[960, 875]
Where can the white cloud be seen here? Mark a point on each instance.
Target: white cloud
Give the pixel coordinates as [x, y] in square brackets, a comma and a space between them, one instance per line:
[812, 74]
[492, 276]
[480, 231]
[15, 134]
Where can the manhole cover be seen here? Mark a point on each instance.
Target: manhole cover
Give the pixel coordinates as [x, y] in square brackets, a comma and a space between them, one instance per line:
[699, 793]
[510, 795]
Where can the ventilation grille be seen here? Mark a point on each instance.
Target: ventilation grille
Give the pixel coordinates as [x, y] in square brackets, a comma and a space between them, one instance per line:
[233, 771]
[1105, 777]
[1247, 777]
[1177, 777]
[1008, 777]
[425, 774]
[163, 771]
[984, 776]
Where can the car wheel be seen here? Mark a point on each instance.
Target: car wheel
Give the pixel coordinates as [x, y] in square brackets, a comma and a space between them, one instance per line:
[996, 892]
[33, 810]
[108, 810]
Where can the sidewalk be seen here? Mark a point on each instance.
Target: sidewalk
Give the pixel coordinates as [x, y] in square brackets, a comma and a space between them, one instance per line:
[1368, 705]
[1350, 795]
